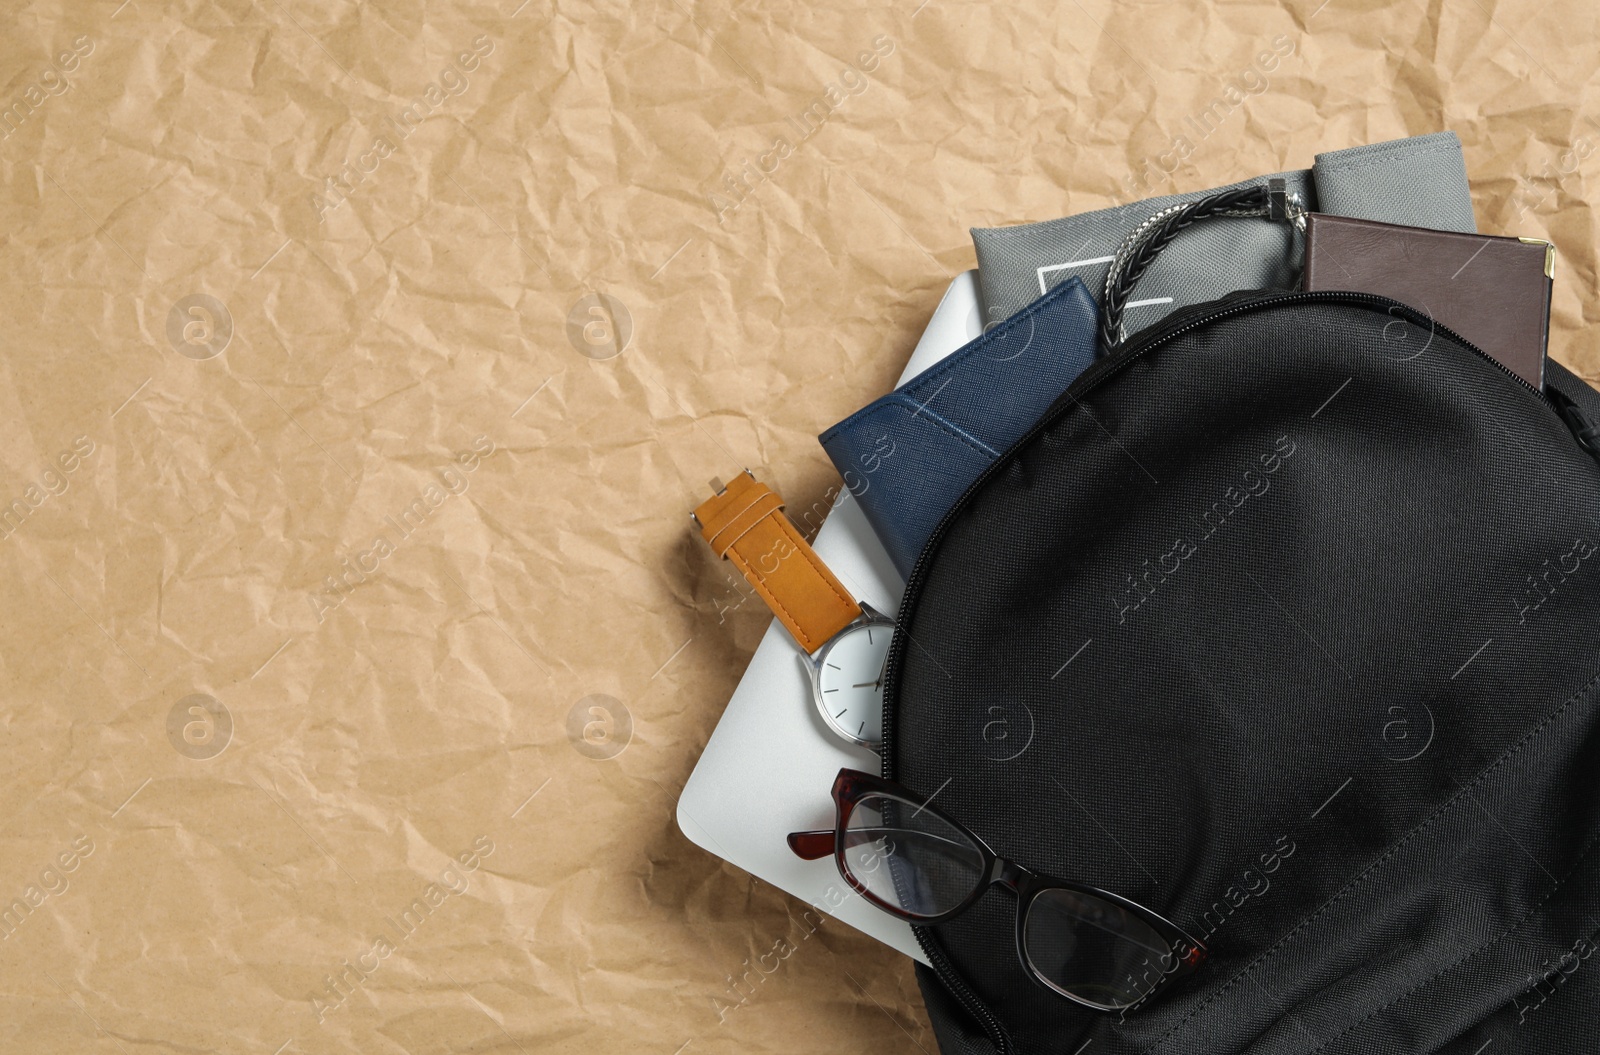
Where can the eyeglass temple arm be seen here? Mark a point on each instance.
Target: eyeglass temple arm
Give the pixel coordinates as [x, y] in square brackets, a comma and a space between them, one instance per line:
[811, 846]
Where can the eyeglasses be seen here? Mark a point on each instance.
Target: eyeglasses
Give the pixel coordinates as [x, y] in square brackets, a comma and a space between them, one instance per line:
[912, 861]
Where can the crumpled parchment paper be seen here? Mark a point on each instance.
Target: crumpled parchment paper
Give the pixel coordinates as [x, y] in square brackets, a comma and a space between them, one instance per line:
[362, 364]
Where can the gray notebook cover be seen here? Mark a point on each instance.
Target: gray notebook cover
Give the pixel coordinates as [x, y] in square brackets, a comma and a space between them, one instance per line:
[1421, 181]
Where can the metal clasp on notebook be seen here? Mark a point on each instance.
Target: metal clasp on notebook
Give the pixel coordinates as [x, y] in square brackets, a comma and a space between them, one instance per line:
[1284, 207]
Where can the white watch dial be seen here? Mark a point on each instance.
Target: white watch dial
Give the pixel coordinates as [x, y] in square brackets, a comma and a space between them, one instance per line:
[850, 682]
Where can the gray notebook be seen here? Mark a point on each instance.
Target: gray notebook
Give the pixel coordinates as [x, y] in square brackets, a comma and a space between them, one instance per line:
[1421, 182]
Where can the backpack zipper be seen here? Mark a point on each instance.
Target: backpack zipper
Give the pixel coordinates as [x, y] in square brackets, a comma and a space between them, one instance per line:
[1091, 378]
[962, 992]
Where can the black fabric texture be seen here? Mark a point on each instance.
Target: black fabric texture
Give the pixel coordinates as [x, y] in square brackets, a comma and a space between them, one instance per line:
[1286, 624]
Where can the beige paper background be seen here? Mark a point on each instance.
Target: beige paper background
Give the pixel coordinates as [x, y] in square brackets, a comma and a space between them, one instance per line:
[429, 710]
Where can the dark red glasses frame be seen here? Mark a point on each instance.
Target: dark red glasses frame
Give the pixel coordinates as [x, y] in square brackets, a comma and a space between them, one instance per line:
[852, 785]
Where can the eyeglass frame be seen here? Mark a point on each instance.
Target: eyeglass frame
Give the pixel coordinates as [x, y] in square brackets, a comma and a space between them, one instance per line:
[850, 786]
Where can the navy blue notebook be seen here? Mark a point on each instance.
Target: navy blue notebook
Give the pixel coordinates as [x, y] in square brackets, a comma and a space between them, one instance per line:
[908, 456]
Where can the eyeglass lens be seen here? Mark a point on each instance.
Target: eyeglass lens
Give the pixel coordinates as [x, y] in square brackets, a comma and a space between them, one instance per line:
[1093, 949]
[909, 858]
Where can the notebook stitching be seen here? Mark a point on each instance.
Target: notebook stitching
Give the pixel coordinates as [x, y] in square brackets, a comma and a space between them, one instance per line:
[1382, 159]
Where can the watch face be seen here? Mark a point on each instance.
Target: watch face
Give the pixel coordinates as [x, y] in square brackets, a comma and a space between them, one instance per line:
[850, 682]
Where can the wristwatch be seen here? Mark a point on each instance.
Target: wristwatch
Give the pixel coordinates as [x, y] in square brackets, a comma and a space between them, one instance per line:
[844, 644]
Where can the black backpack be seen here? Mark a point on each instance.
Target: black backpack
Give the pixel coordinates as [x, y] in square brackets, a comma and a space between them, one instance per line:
[1284, 621]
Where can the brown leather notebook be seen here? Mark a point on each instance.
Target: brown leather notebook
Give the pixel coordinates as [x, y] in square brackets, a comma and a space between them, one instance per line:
[1494, 291]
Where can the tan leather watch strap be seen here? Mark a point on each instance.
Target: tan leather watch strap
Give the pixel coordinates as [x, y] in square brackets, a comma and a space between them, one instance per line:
[744, 523]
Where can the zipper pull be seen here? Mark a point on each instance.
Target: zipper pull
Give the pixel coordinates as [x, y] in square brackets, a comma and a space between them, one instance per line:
[1586, 432]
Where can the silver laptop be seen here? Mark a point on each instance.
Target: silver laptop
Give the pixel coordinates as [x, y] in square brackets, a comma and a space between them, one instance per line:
[769, 765]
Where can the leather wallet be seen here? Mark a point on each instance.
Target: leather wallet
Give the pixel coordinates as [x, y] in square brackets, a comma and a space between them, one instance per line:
[908, 456]
[1494, 291]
